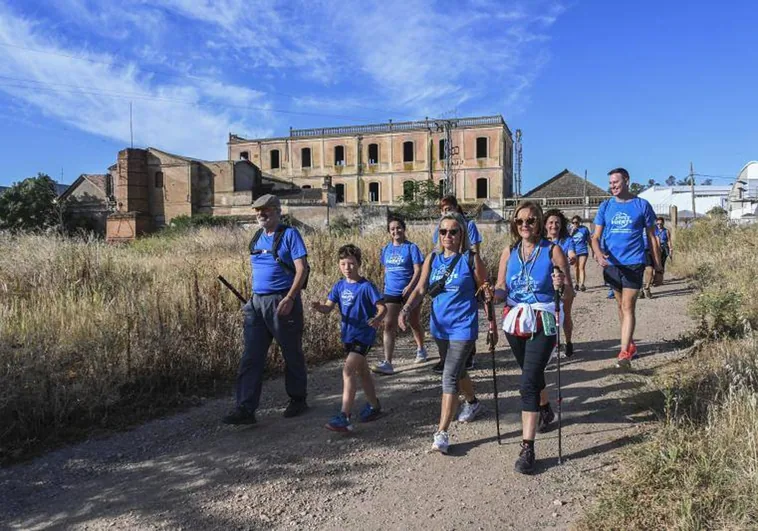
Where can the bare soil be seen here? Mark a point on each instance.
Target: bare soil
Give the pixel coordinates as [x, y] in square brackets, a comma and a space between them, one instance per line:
[189, 471]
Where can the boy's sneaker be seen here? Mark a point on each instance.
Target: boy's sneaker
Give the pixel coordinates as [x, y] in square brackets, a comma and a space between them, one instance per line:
[441, 442]
[239, 416]
[470, 411]
[624, 360]
[295, 407]
[439, 366]
[546, 417]
[369, 412]
[383, 367]
[525, 462]
[421, 355]
[340, 423]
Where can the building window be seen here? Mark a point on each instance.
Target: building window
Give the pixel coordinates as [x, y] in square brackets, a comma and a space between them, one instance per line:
[442, 187]
[306, 187]
[275, 159]
[339, 190]
[339, 155]
[159, 179]
[481, 147]
[373, 153]
[408, 151]
[481, 188]
[443, 155]
[305, 157]
[373, 193]
[409, 190]
[244, 155]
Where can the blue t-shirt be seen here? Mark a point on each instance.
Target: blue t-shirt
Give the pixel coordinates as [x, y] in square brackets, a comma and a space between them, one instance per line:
[581, 237]
[357, 304]
[566, 245]
[454, 313]
[663, 237]
[268, 275]
[474, 237]
[623, 225]
[398, 262]
[530, 281]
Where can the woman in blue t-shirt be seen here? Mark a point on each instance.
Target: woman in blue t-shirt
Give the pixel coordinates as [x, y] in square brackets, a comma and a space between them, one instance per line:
[402, 262]
[581, 236]
[526, 280]
[620, 223]
[452, 275]
[557, 232]
[664, 240]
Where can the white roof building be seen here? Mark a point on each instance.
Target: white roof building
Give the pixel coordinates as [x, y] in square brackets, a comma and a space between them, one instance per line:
[662, 198]
[743, 196]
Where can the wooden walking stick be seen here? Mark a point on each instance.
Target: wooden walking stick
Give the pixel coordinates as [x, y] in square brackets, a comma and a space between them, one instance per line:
[491, 343]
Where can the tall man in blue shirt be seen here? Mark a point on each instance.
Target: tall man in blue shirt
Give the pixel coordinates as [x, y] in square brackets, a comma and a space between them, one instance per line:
[275, 311]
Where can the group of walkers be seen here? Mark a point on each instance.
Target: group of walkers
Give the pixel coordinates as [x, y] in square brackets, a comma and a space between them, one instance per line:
[534, 281]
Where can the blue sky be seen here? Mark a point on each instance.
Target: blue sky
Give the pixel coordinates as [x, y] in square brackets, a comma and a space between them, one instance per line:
[592, 84]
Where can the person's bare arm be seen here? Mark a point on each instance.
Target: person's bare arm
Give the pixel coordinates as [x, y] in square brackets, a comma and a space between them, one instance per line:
[600, 257]
[288, 301]
[418, 293]
[414, 279]
[559, 259]
[324, 308]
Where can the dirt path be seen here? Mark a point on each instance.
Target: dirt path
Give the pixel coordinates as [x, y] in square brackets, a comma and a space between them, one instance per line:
[190, 472]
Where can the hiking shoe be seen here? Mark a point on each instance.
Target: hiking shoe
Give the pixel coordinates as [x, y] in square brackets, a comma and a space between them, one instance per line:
[611, 295]
[576, 287]
[624, 360]
[569, 350]
[642, 294]
[369, 412]
[525, 462]
[582, 288]
[439, 366]
[648, 293]
[421, 355]
[295, 407]
[633, 350]
[546, 417]
[340, 423]
[239, 416]
[383, 367]
[441, 442]
[470, 411]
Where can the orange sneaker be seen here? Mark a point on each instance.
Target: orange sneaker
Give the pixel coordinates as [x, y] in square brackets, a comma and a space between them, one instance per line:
[633, 350]
[624, 360]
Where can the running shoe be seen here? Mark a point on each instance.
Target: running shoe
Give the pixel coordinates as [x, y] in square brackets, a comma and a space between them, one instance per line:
[439, 366]
[642, 294]
[648, 293]
[441, 442]
[526, 459]
[582, 288]
[470, 411]
[239, 416]
[369, 412]
[421, 355]
[340, 423]
[295, 407]
[383, 367]
[569, 350]
[611, 294]
[624, 360]
[546, 417]
[576, 287]
[633, 350]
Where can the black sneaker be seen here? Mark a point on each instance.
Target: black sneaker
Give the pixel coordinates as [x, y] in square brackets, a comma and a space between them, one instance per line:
[295, 407]
[439, 366]
[239, 416]
[525, 462]
[546, 417]
[569, 350]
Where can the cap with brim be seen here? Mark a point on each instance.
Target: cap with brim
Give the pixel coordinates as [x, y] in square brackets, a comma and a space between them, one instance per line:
[267, 200]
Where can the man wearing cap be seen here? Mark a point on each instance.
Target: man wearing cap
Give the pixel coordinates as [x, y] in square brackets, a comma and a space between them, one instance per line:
[274, 312]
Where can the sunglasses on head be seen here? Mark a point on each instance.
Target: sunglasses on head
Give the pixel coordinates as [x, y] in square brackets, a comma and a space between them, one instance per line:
[529, 221]
[445, 232]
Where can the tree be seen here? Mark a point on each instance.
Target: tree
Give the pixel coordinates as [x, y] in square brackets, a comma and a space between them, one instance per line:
[717, 212]
[652, 182]
[671, 180]
[707, 182]
[636, 188]
[30, 205]
[418, 197]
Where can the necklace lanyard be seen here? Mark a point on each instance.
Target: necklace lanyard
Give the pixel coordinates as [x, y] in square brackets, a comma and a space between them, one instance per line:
[526, 271]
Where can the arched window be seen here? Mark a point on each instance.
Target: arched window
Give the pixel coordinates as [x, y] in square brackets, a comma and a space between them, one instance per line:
[481, 188]
[305, 157]
[374, 195]
[275, 163]
[408, 151]
[159, 179]
[339, 155]
[409, 190]
[306, 187]
[244, 155]
[481, 147]
[339, 190]
[373, 153]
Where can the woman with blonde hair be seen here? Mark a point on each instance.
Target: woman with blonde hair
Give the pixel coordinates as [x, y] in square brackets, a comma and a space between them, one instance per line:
[452, 276]
[527, 280]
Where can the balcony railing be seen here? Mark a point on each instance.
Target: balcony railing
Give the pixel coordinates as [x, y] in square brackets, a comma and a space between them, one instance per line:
[395, 126]
[549, 202]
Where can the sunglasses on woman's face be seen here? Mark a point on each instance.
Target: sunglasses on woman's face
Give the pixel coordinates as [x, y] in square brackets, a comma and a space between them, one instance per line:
[528, 221]
[445, 232]
[575, 223]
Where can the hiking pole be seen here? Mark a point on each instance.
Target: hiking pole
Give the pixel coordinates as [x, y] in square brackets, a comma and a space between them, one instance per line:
[232, 289]
[557, 299]
[491, 343]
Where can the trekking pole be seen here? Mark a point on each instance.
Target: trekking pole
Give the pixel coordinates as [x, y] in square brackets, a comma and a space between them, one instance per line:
[232, 289]
[491, 343]
[557, 269]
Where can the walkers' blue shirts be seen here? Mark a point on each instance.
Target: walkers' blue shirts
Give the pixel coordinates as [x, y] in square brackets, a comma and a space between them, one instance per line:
[474, 237]
[357, 303]
[566, 245]
[268, 275]
[581, 237]
[398, 262]
[455, 310]
[623, 223]
[663, 237]
[530, 281]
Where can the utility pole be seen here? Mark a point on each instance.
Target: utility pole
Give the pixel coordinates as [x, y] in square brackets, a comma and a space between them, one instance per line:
[131, 130]
[585, 199]
[692, 189]
[517, 160]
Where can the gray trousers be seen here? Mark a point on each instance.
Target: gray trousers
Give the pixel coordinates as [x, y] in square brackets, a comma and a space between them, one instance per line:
[262, 325]
[455, 353]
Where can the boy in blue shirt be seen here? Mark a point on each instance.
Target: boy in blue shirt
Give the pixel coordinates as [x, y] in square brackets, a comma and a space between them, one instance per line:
[362, 309]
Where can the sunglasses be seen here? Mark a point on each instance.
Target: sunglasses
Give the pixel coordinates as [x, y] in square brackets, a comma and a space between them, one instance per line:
[529, 221]
[445, 232]
[575, 223]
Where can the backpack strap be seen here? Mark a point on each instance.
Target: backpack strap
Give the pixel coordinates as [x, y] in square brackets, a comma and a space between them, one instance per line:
[280, 230]
[254, 241]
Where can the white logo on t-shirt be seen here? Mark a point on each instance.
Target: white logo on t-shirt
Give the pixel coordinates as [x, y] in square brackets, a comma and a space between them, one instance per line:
[621, 220]
[346, 297]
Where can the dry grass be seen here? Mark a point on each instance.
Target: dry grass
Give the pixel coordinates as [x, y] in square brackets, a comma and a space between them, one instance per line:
[97, 336]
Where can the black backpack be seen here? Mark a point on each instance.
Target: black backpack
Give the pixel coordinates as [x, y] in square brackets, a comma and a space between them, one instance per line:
[280, 230]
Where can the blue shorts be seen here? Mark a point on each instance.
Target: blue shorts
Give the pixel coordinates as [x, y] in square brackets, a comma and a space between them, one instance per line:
[624, 276]
[357, 347]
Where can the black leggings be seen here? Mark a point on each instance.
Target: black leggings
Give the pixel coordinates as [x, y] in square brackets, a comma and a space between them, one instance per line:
[532, 355]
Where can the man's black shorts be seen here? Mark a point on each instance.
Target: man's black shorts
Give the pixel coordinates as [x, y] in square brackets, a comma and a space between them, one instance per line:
[394, 299]
[357, 347]
[619, 277]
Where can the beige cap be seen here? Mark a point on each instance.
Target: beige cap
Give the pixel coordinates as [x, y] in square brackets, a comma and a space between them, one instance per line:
[267, 200]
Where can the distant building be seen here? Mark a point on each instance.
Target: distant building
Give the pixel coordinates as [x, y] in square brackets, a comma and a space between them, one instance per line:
[662, 198]
[373, 164]
[743, 195]
[87, 200]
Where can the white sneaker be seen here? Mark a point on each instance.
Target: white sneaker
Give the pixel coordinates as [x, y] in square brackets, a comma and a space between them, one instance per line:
[421, 355]
[441, 442]
[470, 411]
[383, 367]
